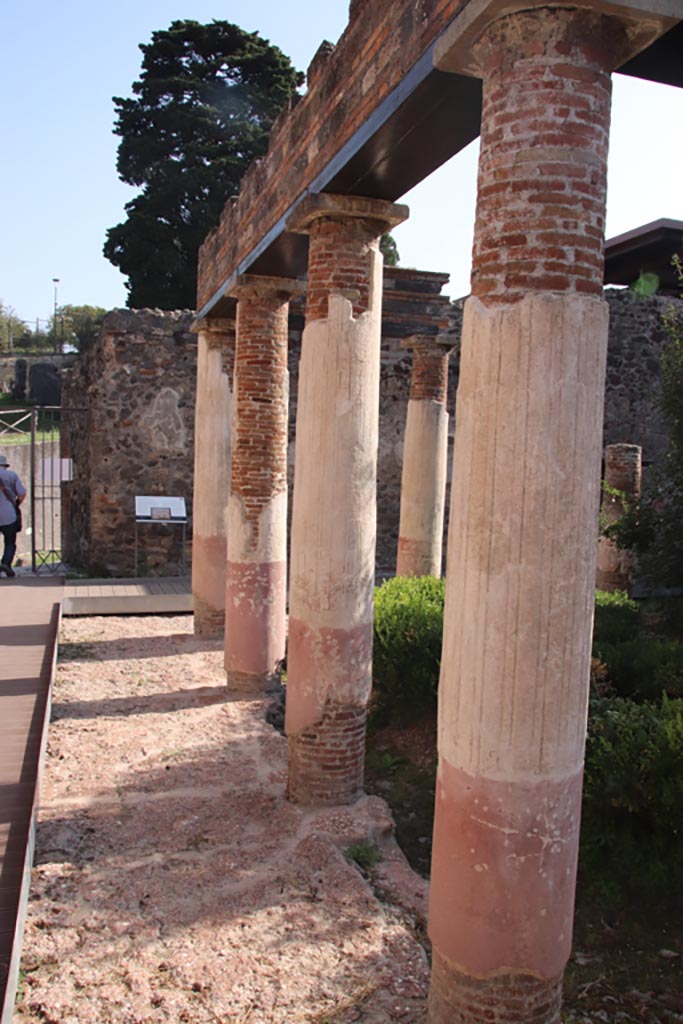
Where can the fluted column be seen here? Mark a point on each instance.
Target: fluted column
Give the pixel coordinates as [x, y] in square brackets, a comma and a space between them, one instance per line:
[525, 493]
[329, 660]
[256, 589]
[215, 357]
[425, 454]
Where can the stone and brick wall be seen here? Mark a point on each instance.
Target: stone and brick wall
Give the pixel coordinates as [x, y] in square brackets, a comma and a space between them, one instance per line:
[136, 386]
[127, 374]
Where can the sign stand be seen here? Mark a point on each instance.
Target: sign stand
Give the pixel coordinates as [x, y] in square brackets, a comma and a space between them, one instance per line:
[164, 511]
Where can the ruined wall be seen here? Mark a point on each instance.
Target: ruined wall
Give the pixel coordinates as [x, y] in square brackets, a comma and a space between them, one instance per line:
[137, 387]
[35, 377]
[636, 339]
[346, 83]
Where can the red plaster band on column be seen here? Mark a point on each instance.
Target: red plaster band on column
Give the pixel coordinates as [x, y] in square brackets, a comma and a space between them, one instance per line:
[414, 558]
[256, 594]
[315, 657]
[504, 873]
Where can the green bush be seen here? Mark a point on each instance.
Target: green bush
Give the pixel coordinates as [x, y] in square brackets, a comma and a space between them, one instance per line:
[633, 797]
[407, 646]
[644, 667]
[617, 618]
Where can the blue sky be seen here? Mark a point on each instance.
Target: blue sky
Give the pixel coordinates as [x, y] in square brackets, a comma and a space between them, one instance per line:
[59, 190]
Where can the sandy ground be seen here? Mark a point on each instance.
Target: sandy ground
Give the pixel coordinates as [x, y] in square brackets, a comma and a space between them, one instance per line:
[172, 880]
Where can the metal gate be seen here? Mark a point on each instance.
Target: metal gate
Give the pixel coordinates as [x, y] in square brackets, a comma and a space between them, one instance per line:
[37, 443]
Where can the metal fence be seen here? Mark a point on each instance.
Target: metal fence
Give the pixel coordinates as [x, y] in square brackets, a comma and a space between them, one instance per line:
[36, 442]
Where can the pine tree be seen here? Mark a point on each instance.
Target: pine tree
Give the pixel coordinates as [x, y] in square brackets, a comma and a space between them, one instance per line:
[201, 112]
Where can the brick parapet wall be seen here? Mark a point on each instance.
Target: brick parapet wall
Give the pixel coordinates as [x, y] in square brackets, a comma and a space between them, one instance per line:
[137, 385]
[380, 44]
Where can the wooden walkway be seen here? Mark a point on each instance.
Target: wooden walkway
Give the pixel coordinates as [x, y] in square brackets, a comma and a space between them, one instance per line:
[149, 595]
[29, 623]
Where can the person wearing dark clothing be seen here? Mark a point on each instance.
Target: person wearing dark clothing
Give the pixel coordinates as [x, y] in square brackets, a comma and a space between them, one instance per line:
[12, 493]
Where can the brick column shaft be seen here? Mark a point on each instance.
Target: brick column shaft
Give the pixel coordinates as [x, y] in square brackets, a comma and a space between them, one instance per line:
[623, 470]
[215, 357]
[425, 454]
[255, 603]
[329, 661]
[521, 556]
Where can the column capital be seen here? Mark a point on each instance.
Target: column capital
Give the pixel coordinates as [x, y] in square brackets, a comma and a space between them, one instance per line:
[438, 343]
[213, 325]
[324, 206]
[643, 22]
[256, 286]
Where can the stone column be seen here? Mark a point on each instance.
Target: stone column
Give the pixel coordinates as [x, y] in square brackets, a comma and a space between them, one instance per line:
[524, 507]
[329, 660]
[256, 589]
[215, 357]
[425, 454]
[623, 469]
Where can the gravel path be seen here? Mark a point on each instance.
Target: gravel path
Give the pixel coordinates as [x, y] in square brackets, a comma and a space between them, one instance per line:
[172, 880]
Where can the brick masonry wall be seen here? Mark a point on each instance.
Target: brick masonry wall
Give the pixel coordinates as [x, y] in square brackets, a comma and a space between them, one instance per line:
[137, 385]
[346, 83]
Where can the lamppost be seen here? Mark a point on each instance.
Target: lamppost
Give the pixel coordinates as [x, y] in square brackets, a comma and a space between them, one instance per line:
[55, 281]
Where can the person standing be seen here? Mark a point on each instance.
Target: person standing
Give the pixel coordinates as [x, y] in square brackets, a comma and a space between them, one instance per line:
[12, 493]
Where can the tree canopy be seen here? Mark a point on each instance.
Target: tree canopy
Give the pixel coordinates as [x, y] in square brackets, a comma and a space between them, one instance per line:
[201, 112]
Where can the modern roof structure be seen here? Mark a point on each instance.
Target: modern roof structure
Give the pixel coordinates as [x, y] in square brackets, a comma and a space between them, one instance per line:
[647, 249]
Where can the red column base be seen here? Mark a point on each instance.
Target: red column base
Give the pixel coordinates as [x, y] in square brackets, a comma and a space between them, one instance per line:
[456, 998]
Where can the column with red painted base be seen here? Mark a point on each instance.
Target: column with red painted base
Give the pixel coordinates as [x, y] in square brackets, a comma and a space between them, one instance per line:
[524, 508]
[425, 452]
[256, 589]
[215, 357]
[329, 658]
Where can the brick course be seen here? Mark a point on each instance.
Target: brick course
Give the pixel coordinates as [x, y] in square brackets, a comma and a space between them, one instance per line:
[429, 381]
[543, 165]
[259, 445]
[457, 998]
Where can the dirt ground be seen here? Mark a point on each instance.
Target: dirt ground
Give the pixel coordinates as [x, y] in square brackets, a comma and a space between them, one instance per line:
[172, 880]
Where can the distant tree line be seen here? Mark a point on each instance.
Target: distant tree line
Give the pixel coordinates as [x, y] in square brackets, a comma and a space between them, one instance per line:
[73, 329]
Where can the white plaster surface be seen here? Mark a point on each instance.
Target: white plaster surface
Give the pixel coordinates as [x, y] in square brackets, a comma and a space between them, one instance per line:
[265, 541]
[522, 537]
[333, 527]
[212, 442]
[423, 484]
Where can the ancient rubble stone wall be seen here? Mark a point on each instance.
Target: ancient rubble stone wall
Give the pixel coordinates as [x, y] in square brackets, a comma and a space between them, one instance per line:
[346, 83]
[633, 387]
[137, 388]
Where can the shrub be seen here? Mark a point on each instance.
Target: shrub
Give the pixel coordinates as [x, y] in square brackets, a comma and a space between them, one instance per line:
[617, 618]
[407, 645]
[645, 667]
[633, 797]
